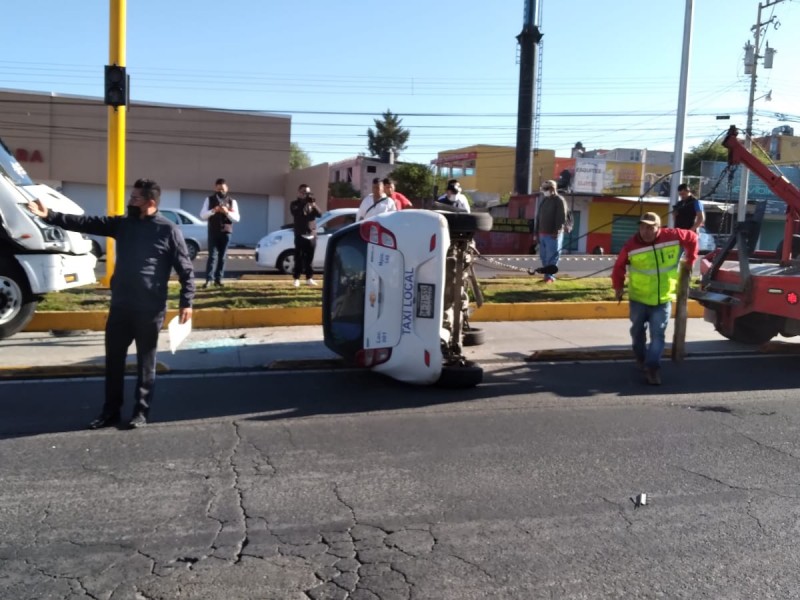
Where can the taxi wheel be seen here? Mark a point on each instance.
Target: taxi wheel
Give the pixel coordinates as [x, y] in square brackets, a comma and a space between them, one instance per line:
[467, 222]
[474, 337]
[466, 374]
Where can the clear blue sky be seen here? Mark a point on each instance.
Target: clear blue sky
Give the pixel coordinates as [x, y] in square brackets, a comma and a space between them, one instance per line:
[609, 79]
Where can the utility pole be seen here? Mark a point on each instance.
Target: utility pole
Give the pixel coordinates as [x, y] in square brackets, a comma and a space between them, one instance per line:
[683, 92]
[681, 309]
[528, 43]
[751, 64]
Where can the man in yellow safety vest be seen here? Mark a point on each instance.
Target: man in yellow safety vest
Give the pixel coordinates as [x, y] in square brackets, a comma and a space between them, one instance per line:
[651, 258]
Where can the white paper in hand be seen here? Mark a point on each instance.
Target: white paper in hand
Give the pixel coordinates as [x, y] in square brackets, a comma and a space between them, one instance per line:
[178, 332]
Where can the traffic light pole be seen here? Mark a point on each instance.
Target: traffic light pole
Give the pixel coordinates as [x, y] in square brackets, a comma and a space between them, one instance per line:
[116, 132]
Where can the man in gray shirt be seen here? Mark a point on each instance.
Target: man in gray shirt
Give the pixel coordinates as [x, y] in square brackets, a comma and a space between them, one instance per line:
[551, 220]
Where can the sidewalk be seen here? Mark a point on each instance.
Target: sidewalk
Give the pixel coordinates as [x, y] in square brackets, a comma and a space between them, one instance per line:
[302, 347]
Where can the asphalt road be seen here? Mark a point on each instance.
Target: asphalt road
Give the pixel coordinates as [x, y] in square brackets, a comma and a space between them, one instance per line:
[346, 485]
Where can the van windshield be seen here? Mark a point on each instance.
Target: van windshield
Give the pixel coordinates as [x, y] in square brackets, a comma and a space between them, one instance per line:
[11, 168]
[345, 282]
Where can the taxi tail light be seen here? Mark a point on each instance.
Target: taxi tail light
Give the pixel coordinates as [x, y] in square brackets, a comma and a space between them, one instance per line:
[369, 357]
[374, 233]
[427, 358]
[433, 243]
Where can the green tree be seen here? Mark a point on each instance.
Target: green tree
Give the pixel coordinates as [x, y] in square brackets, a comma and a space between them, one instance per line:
[707, 150]
[298, 158]
[712, 151]
[387, 135]
[414, 180]
[343, 189]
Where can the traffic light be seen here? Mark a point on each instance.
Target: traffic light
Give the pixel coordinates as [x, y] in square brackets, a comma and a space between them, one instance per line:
[116, 84]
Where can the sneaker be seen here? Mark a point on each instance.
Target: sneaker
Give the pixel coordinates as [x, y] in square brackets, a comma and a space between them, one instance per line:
[206, 285]
[653, 376]
[137, 422]
[219, 284]
[105, 420]
[311, 282]
[296, 283]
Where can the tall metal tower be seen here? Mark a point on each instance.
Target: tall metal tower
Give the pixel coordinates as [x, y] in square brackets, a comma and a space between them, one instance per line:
[528, 40]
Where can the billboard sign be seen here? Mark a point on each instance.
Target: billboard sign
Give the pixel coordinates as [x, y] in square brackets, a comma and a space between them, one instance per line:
[607, 177]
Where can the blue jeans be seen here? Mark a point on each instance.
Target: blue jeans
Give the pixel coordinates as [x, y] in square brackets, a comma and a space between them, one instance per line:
[657, 317]
[550, 248]
[217, 247]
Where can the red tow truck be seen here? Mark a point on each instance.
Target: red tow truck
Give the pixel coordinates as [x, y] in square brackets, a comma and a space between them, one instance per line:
[752, 296]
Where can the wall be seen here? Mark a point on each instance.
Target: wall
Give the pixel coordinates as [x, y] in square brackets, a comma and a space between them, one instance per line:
[180, 147]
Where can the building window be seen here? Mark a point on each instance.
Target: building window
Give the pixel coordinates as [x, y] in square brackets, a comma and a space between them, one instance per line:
[337, 176]
[349, 174]
[372, 169]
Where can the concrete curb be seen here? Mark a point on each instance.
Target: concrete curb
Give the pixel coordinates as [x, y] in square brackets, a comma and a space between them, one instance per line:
[82, 370]
[241, 318]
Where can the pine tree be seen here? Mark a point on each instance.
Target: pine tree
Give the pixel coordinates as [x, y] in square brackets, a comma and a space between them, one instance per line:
[387, 136]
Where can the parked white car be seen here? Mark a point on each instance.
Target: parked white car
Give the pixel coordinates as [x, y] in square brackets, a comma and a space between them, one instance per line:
[705, 241]
[194, 229]
[276, 250]
[395, 295]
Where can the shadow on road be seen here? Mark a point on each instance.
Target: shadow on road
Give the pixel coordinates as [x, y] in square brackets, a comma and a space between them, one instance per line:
[39, 407]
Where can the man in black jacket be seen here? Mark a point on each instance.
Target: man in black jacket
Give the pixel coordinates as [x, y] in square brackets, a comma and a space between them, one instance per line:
[148, 248]
[304, 212]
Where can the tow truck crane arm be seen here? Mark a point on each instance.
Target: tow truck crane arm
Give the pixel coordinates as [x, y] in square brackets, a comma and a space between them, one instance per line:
[780, 186]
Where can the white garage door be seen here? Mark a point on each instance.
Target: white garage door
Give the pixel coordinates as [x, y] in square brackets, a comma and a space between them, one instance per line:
[91, 198]
[254, 209]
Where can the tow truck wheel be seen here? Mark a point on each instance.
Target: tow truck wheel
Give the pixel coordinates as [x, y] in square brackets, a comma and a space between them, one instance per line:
[464, 374]
[753, 328]
[17, 304]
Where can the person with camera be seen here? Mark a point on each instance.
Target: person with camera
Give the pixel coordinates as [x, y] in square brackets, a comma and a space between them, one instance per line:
[221, 212]
[305, 213]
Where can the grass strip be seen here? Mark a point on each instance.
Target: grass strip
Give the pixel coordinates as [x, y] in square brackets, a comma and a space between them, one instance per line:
[282, 294]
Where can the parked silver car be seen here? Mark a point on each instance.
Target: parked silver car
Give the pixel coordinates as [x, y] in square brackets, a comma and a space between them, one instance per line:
[194, 229]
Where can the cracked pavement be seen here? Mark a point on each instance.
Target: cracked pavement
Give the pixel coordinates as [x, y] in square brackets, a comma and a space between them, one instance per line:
[523, 492]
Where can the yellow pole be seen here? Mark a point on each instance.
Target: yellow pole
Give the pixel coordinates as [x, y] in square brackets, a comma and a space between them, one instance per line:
[116, 132]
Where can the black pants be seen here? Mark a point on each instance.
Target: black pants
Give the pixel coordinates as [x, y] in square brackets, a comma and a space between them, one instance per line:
[303, 256]
[123, 327]
[217, 247]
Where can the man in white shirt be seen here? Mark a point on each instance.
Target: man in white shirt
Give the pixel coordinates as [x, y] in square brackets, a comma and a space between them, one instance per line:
[376, 203]
[221, 211]
[454, 198]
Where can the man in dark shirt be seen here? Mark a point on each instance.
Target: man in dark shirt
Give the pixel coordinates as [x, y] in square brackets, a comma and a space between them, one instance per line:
[148, 248]
[305, 212]
[688, 210]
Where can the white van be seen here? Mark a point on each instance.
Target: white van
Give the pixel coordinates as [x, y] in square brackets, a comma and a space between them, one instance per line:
[35, 258]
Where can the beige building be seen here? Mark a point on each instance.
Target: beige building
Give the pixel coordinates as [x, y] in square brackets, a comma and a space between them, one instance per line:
[62, 141]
